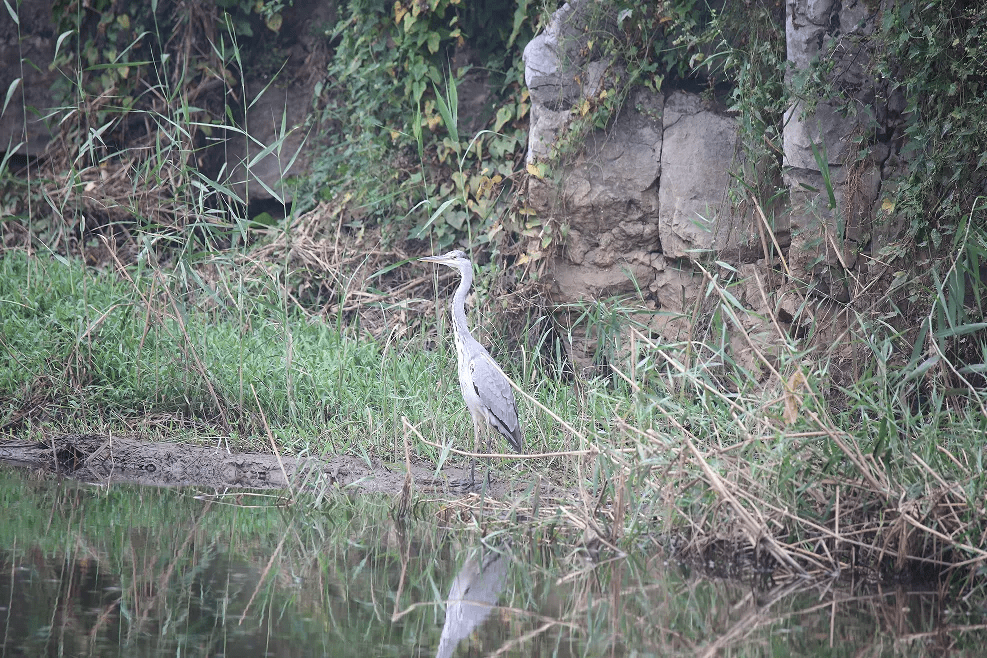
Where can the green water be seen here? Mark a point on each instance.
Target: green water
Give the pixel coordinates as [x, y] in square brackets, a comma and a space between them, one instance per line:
[130, 571]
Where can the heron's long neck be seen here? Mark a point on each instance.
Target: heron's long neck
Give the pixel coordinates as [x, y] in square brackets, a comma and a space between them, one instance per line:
[459, 301]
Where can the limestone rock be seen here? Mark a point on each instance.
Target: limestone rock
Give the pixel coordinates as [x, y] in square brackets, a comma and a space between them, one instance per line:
[607, 198]
[841, 27]
[823, 129]
[621, 165]
[674, 285]
[698, 151]
[558, 75]
[827, 238]
[571, 281]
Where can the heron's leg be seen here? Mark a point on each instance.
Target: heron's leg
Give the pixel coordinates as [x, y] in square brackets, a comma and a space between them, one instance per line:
[476, 447]
[467, 484]
[489, 459]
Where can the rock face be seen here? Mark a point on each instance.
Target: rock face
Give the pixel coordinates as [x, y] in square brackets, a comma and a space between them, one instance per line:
[558, 75]
[695, 214]
[279, 111]
[608, 195]
[641, 200]
[611, 195]
[650, 204]
[820, 143]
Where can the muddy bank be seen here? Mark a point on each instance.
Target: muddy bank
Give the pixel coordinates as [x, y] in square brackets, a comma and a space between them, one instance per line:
[103, 459]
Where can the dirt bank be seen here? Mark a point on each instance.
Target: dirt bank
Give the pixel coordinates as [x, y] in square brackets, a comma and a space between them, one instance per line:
[103, 459]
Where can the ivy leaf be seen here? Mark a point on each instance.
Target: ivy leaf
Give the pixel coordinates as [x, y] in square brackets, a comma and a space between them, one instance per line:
[503, 116]
[399, 11]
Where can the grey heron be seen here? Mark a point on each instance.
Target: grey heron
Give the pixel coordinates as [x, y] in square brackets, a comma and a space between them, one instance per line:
[486, 391]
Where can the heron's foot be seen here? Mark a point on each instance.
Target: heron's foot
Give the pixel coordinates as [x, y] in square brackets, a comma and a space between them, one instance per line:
[471, 484]
[464, 485]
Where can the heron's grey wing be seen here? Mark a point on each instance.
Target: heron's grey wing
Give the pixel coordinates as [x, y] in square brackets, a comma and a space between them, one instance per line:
[497, 398]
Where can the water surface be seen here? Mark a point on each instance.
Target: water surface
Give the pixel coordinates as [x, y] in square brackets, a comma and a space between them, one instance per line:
[89, 570]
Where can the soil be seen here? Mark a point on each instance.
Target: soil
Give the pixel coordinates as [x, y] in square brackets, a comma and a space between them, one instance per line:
[105, 459]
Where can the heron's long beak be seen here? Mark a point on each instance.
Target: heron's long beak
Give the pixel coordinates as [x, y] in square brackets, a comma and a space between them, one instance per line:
[434, 259]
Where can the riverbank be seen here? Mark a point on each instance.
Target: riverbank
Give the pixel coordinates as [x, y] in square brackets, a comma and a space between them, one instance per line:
[792, 475]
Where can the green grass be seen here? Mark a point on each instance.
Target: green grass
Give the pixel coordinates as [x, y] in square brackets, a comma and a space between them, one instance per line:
[94, 350]
[688, 442]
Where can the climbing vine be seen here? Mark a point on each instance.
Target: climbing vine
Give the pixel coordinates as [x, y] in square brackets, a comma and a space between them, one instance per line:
[397, 144]
[933, 55]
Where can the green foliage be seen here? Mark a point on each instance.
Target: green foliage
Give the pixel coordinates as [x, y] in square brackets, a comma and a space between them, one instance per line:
[926, 60]
[933, 55]
[115, 48]
[240, 13]
[744, 47]
[644, 43]
[950, 347]
[396, 151]
[132, 159]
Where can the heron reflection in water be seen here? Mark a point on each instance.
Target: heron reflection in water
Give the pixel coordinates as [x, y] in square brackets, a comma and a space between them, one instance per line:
[472, 597]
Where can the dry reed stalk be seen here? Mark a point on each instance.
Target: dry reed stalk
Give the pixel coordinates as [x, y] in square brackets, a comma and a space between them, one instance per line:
[756, 531]
[274, 446]
[876, 479]
[202, 370]
[404, 500]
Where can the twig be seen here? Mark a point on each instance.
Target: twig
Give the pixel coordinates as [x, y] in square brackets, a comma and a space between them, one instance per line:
[935, 533]
[263, 575]
[855, 456]
[513, 455]
[774, 240]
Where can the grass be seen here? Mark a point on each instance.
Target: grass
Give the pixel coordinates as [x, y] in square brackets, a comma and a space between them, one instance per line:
[192, 323]
[793, 472]
[105, 350]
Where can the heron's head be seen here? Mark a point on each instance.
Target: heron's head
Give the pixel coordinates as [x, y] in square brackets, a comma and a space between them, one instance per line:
[455, 259]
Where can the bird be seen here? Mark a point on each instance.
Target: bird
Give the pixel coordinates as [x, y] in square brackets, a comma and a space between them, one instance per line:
[472, 597]
[486, 390]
